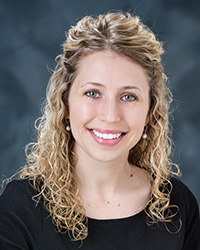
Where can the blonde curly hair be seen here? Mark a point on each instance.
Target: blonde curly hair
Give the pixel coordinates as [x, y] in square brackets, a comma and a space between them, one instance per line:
[51, 161]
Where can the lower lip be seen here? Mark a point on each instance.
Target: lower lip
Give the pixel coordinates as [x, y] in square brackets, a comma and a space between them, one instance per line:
[108, 142]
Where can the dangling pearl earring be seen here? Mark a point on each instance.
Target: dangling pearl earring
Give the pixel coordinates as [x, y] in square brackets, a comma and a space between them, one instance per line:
[144, 136]
[68, 125]
[68, 128]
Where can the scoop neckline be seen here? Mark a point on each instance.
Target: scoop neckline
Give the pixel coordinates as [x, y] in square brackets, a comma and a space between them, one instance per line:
[117, 220]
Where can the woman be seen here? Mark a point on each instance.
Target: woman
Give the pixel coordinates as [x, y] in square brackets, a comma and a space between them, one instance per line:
[99, 175]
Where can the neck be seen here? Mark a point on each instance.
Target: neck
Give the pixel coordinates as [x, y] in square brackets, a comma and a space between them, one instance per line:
[101, 176]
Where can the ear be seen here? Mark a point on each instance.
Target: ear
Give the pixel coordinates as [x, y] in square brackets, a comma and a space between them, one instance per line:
[68, 115]
[147, 119]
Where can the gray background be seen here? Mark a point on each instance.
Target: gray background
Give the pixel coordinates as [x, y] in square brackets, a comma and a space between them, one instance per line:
[31, 34]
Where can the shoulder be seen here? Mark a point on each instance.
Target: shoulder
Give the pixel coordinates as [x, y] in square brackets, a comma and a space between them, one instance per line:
[18, 192]
[182, 193]
[17, 199]
[20, 216]
[182, 196]
[188, 211]
[19, 186]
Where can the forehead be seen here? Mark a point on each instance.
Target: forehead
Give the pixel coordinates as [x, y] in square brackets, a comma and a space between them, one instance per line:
[110, 68]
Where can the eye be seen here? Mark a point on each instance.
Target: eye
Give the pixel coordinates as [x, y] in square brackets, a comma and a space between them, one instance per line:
[129, 98]
[92, 94]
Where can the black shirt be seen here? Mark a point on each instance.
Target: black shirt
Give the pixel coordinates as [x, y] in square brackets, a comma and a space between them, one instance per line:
[23, 225]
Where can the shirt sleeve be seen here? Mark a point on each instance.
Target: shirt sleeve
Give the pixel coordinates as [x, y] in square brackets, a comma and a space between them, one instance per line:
[20, 218]
[192, 222]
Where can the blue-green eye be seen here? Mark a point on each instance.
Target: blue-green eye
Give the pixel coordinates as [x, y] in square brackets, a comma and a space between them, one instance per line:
[92, 94]
[129, 98]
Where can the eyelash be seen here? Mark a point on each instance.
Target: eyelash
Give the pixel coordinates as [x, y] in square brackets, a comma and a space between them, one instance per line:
[97, 95]
[134, 97]
[88, 93]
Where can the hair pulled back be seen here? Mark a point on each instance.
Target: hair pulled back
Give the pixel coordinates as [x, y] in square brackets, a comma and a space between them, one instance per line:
[51, 161]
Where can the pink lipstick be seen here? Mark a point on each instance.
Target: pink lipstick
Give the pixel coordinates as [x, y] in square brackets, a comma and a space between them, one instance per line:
[106, 137]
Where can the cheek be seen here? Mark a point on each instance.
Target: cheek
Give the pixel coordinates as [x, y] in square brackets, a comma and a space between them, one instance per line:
[88, 109]
[136, 117]
[81, 112]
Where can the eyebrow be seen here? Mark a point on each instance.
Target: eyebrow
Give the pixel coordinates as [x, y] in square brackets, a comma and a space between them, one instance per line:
[130, 87]
[102, 85]
[93, 83]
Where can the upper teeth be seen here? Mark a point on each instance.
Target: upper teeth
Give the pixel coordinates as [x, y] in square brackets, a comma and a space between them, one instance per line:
[106, 136]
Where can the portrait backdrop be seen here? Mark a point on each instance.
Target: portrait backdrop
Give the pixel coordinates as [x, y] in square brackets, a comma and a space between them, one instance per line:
[32, 32]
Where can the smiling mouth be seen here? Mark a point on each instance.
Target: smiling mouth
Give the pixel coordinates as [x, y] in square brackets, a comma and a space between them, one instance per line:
[107, 136]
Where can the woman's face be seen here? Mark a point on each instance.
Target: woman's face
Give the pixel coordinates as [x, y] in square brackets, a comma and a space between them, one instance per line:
[108, 106]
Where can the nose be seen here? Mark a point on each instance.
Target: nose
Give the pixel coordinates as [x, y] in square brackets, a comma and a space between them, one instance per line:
[109, 111]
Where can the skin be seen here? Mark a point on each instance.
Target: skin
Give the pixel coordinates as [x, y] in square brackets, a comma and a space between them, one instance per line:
[110, 95]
